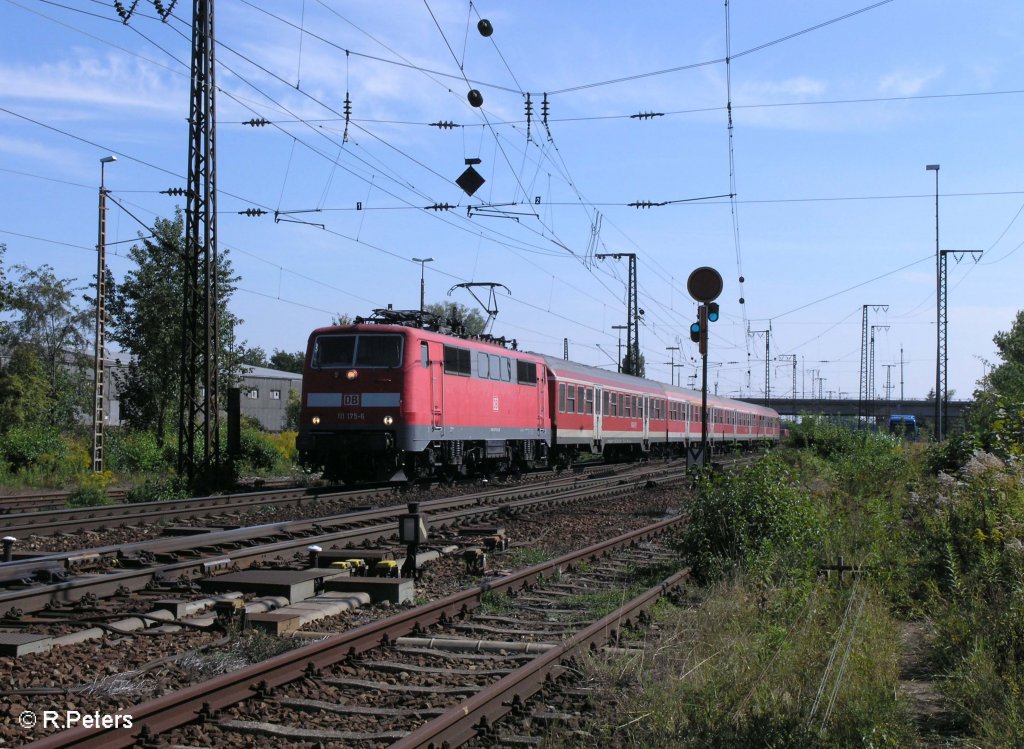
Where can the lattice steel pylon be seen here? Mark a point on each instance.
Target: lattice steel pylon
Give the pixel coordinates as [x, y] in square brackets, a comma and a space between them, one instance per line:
[198, 426]
[941, 383]
[872, 365]
[863, 394]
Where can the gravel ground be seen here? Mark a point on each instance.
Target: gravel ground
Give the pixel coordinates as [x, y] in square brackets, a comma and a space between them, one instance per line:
[117, 671]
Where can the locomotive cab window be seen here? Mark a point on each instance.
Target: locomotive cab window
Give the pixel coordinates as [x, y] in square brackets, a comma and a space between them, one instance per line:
[334, 351]
[424, 354]
[364, 350]
[379, 351]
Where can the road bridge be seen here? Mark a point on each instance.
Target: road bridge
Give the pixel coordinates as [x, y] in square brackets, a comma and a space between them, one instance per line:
[880, 410]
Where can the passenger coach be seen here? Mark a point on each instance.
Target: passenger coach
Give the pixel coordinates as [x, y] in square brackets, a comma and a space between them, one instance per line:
[625, 417]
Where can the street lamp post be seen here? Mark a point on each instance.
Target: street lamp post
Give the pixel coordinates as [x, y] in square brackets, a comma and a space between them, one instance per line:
[423, 289]
[672, 372]
[938, 311]
[99, 378]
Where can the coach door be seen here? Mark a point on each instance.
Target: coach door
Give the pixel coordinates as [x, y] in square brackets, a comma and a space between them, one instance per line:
[646, 422]
[598, 415]
[436, 369]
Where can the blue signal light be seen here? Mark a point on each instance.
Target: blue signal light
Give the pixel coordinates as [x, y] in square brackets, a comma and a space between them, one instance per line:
[713, 312]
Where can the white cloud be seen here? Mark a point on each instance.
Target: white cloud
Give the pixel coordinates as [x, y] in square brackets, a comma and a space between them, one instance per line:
[906, 83]
[86, 80]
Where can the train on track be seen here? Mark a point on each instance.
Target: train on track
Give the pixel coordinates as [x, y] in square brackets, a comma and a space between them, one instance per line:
[393, 397]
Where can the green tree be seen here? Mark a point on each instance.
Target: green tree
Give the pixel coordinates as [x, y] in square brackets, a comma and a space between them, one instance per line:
[43, 318]
[458, 317]
[253, 356]
[286, 362]
[25, 397]
[996, 417]
[1007, 379]
[641, 365]
[146, 311]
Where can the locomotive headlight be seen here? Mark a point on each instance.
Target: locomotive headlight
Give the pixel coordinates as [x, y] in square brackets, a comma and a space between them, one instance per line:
[351, 374]
[388, 420]
[316, 420]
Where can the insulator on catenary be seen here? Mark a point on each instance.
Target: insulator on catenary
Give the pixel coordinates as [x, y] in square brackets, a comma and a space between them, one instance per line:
[252, 212]
[257, 122]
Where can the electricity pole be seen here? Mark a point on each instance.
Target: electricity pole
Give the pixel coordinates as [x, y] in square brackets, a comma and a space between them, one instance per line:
[633, 314]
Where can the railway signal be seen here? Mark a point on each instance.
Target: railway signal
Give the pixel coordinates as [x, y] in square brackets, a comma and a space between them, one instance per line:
[704, 285]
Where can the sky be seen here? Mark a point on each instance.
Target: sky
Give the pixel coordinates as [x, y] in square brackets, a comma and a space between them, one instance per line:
[783, 143]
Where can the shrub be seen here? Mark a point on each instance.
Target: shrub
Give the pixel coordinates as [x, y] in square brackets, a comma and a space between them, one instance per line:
[755, 518]
[92, 490]
[284, 443]
[157, 488]
[28, 446]
[134, 452]
[951, 455]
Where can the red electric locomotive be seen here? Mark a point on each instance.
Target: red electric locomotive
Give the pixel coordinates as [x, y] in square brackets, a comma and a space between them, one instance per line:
[394, 402]
[389, 399]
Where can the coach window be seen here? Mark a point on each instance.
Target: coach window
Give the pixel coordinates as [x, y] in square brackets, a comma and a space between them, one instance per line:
[424, 354]
[605, 396]
[627, 406]
[580, 398]
[570, 399]
[590, 400]
[561, 397]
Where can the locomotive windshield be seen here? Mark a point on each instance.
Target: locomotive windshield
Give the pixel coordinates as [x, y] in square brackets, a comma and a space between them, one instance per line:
[366, 350]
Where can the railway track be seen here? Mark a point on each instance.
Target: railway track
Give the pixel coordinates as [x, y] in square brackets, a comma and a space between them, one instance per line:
[435, 675]
[51, 581]
[22, 518]
[17, 503]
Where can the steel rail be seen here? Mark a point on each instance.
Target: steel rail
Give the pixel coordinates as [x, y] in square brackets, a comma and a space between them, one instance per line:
[203, 700]
[170, 545]
[69, 591]
[466, 720]
[70, 519]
